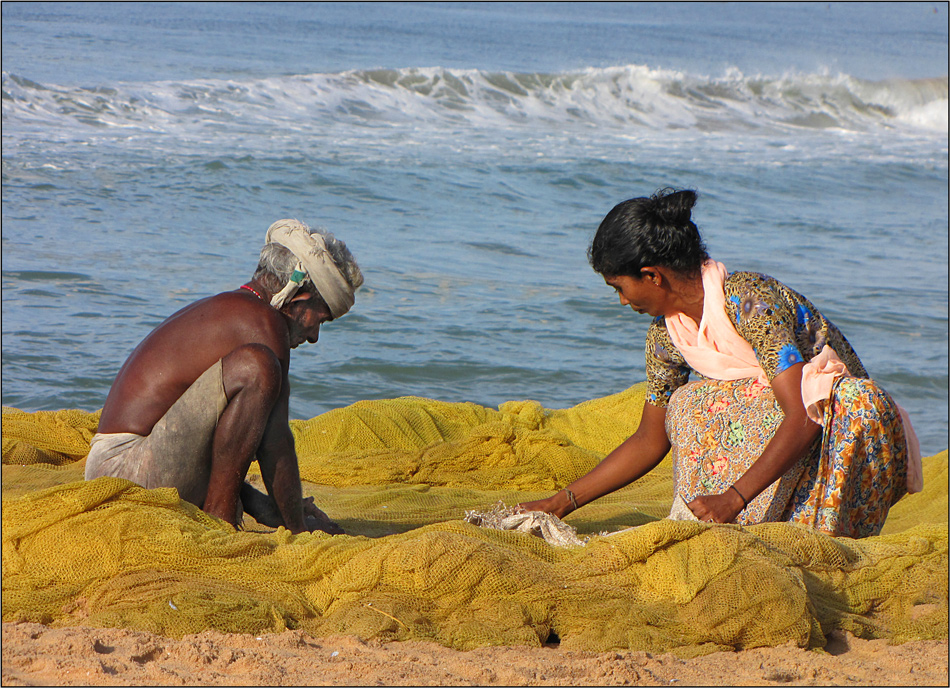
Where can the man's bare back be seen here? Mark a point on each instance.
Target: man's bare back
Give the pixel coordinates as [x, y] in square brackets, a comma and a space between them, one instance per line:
[183, 347]
[207, 393]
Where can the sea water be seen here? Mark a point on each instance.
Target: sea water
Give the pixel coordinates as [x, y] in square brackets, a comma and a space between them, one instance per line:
[466, 153]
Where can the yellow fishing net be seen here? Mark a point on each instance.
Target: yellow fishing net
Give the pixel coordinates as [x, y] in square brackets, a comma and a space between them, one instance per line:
[399, 476]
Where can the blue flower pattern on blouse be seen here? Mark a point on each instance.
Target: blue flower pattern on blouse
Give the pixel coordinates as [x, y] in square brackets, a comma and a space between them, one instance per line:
[788, 356]
[802, 315]
[736, 300]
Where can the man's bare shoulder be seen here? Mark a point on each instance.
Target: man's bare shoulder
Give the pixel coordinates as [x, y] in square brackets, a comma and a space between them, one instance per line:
[181, 348]
[207, 331]
[230, 318]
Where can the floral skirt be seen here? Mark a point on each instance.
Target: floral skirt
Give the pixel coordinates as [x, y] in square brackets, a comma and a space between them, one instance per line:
[843, 485]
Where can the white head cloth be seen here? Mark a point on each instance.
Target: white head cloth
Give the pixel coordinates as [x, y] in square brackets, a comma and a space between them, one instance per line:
[314, 263]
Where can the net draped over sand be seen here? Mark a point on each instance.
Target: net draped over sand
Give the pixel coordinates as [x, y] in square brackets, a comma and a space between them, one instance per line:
[399, 475]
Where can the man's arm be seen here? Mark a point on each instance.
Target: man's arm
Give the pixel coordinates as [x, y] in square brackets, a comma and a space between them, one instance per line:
[635, 457]
[278, 462]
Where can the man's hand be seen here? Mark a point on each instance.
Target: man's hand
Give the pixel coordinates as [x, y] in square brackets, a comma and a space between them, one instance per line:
[260, 506]
[265, 511]
[315, 519]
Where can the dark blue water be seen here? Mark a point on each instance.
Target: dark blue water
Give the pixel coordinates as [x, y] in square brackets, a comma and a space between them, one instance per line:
[466, 153]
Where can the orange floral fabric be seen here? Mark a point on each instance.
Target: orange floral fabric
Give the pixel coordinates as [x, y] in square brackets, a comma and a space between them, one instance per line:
[844, 485]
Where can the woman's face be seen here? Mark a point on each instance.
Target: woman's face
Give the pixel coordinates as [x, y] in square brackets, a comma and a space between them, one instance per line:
[644, 295]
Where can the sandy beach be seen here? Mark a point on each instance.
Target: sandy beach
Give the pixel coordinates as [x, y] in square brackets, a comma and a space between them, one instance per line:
[34, 654]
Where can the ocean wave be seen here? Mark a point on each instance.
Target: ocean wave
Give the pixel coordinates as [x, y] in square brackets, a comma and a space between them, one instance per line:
[626, 98]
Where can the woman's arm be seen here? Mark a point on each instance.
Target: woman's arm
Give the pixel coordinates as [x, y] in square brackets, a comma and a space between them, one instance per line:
[793, 437]
[637, 456]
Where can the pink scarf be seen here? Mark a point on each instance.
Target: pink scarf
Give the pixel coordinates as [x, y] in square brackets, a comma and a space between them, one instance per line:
[714, 349]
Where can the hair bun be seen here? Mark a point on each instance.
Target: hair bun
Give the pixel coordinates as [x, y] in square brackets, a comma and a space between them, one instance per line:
[672, 207]
[656, 230]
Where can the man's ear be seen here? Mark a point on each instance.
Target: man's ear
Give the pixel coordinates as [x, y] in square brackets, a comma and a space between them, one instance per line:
[301, 296]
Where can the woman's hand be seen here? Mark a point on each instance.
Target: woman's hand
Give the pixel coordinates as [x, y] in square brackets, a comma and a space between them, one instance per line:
[636, 456]
[789, 443]
[557, 505]
[720, 508]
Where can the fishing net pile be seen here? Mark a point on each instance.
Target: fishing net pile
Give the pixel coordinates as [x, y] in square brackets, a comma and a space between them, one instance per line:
[416, 483]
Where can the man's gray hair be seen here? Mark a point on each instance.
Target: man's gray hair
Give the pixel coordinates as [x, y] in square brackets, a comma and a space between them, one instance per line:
[277, 263]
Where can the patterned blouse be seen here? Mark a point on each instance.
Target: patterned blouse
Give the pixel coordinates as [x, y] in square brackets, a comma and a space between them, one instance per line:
[781, 325]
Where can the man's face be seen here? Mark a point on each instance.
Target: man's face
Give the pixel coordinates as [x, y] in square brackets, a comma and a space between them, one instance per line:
[305, 313]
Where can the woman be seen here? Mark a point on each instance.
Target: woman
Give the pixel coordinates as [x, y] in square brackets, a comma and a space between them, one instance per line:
[783, 423]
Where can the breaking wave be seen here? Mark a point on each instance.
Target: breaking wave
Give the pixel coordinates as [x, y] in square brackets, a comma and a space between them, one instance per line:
[626, 98]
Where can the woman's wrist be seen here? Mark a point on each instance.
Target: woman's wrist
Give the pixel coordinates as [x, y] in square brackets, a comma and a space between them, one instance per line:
[565, 502]
[738, 498]
[745, 502]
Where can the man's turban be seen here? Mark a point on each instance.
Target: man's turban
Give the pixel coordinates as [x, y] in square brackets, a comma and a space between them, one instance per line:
[314, 262]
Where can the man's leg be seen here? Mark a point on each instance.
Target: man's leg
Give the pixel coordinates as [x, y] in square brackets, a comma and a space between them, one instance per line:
[252, 383]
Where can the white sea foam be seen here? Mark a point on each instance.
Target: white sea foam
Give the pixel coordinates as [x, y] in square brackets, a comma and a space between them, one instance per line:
[614, 99]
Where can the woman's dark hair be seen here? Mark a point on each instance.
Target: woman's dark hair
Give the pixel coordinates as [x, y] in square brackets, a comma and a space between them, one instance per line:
[649, 231]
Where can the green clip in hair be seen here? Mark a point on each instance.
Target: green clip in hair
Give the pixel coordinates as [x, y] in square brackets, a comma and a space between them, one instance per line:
[298, 276]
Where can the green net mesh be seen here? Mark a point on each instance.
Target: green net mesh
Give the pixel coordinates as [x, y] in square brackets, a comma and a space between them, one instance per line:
[399, 476]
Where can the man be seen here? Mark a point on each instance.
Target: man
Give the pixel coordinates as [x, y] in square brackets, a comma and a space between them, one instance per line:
[207, 392]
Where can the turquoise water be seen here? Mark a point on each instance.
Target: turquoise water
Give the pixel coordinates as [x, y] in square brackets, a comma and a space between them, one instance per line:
[466, 153]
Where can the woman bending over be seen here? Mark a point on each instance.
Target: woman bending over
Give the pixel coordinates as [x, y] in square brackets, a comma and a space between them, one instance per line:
[783, 422]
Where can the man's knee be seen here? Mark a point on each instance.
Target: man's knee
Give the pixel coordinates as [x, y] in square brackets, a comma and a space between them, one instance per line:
[253, 367]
